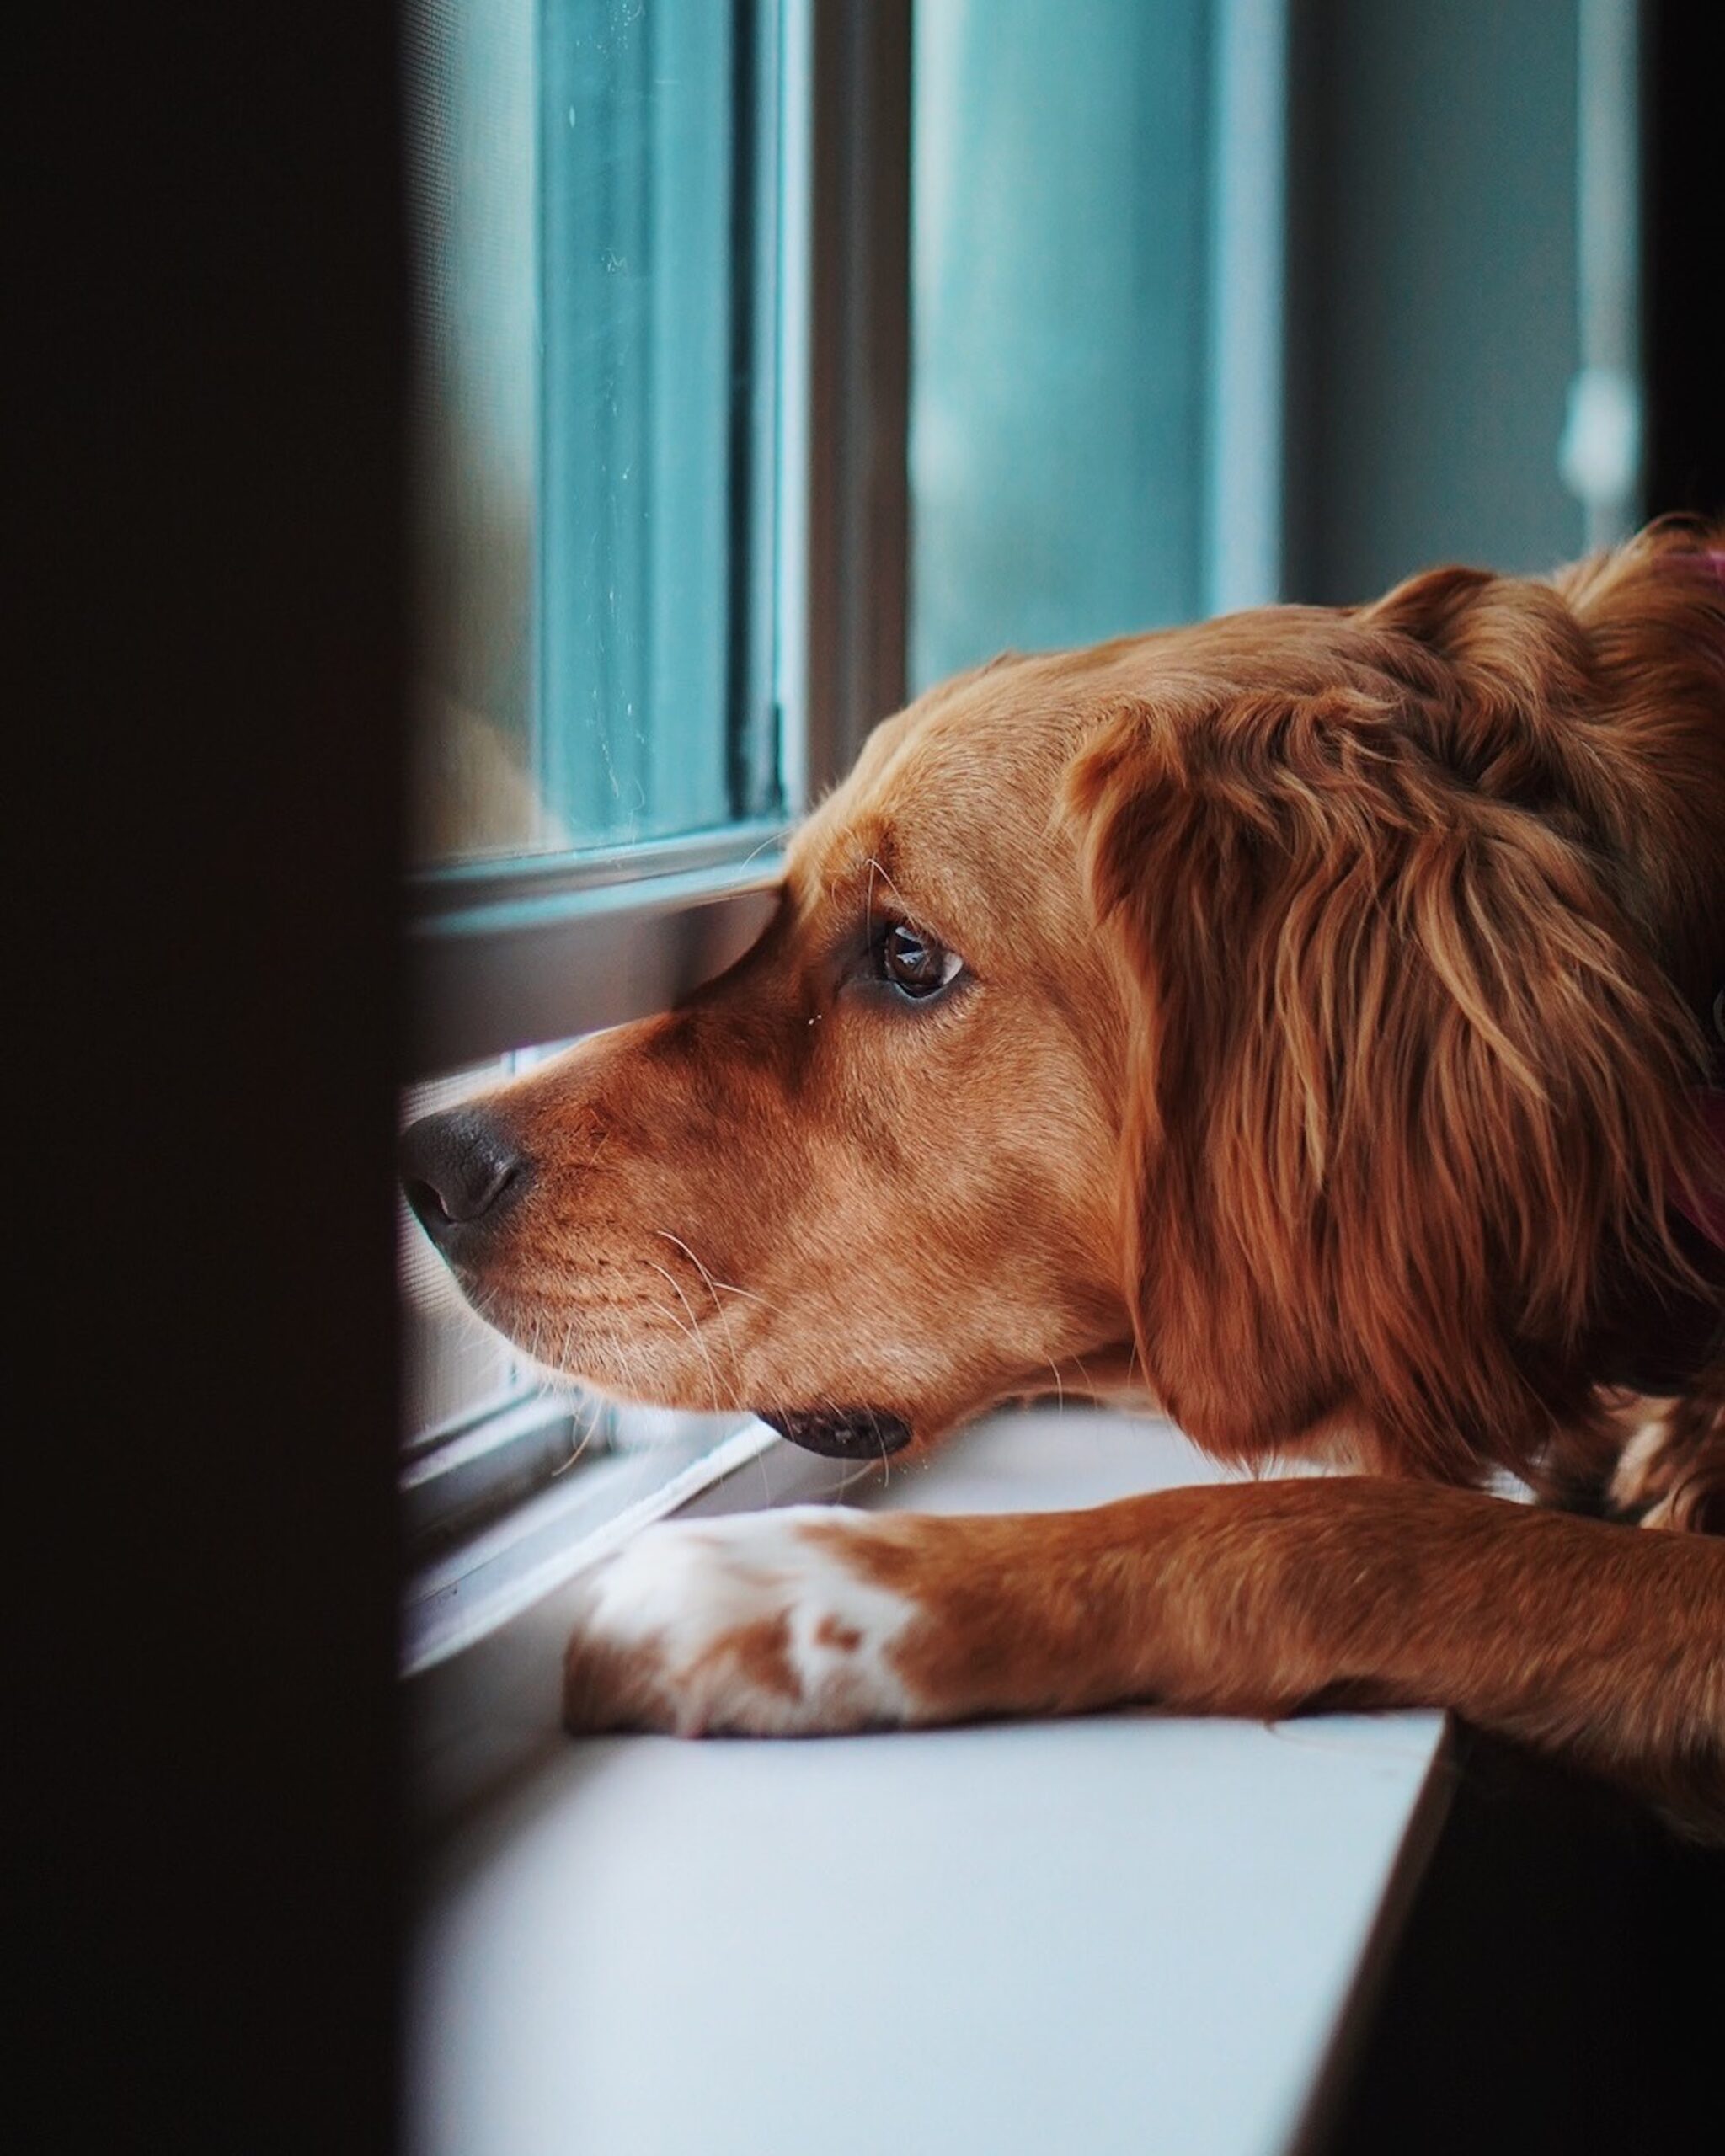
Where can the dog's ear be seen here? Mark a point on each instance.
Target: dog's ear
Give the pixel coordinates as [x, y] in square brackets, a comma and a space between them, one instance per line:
[1396, 1075]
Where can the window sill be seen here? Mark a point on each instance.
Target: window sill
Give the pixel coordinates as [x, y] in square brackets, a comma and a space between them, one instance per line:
[1059, 1934]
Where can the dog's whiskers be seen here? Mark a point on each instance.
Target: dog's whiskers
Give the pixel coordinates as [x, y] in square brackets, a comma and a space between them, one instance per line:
[589, 1410]
[665, 1235]
[772, 839]
[692, 1329]
[722, 1314]
[714, 1284]
[730, 1287]
[875, 869]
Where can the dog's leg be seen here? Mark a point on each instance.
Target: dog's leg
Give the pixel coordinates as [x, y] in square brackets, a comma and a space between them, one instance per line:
[1599, 1641]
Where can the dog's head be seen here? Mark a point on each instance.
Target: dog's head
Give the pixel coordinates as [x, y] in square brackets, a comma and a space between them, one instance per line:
[1276, 1005]
[863, 1183]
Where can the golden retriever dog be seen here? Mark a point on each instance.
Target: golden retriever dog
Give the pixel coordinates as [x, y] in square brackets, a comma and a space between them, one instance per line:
[1305, 1023]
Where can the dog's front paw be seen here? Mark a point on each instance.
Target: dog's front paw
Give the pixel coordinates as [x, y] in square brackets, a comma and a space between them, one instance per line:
[757, 1623]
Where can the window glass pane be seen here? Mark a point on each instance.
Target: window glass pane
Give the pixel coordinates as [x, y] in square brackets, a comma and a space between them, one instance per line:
[1059, 211]
[592, 185]
[472, 175]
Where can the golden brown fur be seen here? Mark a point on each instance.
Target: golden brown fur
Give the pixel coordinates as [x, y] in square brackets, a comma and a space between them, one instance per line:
[1334, 982]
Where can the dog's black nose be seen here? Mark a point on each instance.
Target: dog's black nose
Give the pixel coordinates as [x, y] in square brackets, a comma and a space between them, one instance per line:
[462, 1172]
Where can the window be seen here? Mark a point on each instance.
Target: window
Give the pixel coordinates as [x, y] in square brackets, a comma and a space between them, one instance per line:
[596, 229]
[603, 758]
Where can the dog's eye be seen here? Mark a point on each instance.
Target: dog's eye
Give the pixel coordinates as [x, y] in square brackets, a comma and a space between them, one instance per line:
[915, 964]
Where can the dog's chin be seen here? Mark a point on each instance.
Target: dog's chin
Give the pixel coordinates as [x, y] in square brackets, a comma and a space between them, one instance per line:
[840, 1432]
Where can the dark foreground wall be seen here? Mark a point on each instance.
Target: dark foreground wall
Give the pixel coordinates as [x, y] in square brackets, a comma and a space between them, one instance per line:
[203, 677]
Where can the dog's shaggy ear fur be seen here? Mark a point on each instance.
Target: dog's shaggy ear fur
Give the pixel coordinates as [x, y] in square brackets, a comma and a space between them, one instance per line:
[1407, 1069]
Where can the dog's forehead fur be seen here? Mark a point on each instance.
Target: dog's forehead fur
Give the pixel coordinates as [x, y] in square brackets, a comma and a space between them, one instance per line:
[952, 814]
[953, 797]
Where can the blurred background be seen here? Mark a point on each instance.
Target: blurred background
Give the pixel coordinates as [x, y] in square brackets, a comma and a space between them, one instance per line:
[1197, 303]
